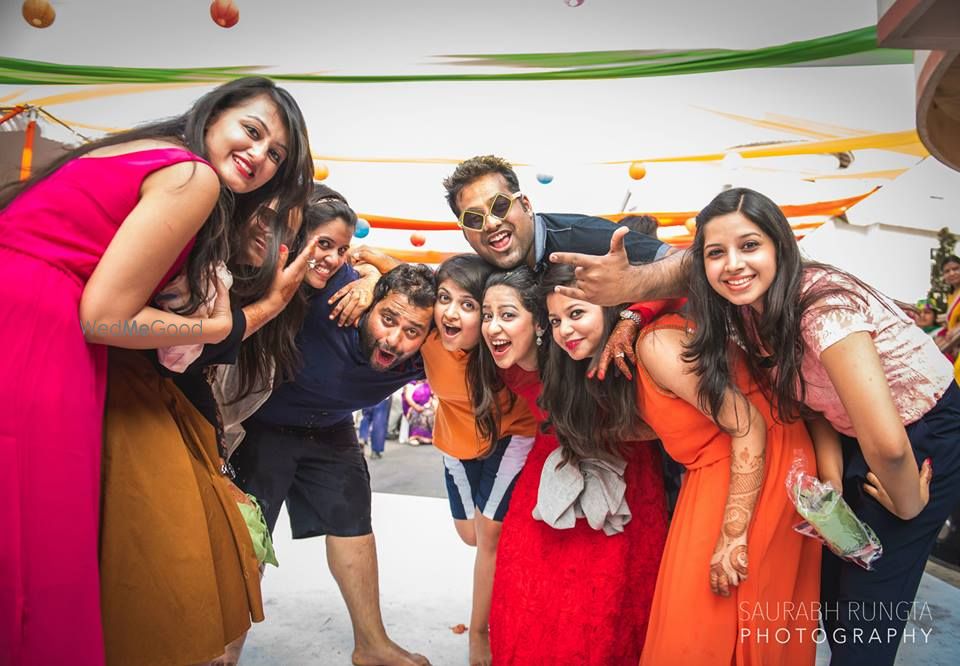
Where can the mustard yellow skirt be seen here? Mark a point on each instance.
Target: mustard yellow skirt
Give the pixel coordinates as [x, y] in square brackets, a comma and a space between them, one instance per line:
[178, 575]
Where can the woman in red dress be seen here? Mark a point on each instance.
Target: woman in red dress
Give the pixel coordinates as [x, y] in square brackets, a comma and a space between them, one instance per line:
[571, 593]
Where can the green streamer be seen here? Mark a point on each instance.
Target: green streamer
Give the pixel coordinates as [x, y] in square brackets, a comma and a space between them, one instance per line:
[852, 47]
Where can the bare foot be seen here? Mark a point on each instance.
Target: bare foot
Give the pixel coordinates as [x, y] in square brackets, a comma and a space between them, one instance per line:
[231, 654]
[387, 654]
[480, 648]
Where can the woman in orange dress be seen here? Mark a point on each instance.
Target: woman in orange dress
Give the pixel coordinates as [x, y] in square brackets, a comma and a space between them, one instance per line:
[733, 566]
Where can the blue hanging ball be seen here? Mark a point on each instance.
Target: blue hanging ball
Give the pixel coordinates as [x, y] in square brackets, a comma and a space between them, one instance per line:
[544, 178]
[363, 228]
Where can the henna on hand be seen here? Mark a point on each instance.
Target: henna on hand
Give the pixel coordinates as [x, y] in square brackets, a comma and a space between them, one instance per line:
[729, 565]
[619, 349]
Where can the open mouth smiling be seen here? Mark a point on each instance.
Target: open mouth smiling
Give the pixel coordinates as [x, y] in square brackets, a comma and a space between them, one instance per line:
[499, 240]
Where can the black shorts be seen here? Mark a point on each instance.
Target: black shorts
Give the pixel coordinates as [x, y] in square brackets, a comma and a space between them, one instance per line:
[321, 473]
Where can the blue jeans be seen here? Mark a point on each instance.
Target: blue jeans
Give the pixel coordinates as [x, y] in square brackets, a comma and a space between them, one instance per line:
[373, 425]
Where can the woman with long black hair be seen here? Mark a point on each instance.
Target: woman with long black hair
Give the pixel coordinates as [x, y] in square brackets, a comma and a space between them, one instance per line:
[95, 234]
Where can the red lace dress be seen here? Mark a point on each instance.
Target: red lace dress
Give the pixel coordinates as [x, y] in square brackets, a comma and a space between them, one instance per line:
[575, 596]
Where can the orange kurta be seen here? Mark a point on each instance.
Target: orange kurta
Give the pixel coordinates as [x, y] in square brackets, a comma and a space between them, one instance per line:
[689, 624]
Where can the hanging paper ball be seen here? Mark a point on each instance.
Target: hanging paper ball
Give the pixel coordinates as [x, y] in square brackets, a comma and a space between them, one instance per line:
[637, 170]
[363, 228]
[544, 178]
[417, 240]
[38, 13]
[224, 13]
[573, 3]
[691, 225]
[321, 171]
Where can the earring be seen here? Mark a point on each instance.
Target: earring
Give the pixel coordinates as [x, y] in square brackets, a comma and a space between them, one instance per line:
[539, 338]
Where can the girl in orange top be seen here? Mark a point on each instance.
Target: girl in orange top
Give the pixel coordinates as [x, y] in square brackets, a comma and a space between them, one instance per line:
[481, 464]
[733, 566]
[481, 460]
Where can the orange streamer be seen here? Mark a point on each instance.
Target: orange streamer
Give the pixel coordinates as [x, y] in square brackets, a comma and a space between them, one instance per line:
[667, 219]
[12, 113]
[26, 158]
[417, 256]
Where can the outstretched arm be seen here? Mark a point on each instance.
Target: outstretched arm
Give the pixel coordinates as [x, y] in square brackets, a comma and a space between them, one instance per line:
[611, 279]
[660, 352]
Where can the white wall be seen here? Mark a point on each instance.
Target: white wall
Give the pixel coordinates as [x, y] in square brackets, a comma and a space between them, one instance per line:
[895, 260]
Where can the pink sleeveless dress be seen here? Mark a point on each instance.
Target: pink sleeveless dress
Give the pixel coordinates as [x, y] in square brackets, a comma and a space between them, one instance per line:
[51, 404]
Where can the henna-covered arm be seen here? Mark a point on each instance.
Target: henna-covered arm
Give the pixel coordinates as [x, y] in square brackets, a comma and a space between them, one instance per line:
[728, 566]
[620, 343]
[661, 354]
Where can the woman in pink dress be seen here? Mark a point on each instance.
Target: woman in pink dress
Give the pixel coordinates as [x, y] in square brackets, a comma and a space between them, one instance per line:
[84, 245]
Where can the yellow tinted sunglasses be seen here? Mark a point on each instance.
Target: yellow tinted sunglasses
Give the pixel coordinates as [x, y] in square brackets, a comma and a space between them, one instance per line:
[498, 207]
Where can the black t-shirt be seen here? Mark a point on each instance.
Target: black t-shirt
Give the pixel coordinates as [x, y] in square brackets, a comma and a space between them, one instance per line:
[335, 378]
[591, 235]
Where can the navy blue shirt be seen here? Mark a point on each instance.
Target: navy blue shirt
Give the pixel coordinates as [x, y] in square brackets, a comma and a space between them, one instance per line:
[565, 232]
[335, 378]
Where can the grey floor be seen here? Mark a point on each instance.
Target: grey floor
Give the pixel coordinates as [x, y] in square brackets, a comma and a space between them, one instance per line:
[425, 576]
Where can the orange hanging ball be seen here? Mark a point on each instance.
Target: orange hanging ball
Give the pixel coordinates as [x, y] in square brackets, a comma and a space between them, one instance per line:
[637, 170]
[39, 13]
[321, 171]
[417, 240]
[224, 13]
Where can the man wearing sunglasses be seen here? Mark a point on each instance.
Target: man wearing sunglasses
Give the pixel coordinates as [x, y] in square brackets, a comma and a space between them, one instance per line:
[499, 224]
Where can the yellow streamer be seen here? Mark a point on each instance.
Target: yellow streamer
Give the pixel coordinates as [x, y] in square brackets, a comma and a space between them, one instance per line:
[108, 91]
[876, 141]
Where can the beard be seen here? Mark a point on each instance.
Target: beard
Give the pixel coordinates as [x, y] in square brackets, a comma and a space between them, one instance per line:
[371, 348]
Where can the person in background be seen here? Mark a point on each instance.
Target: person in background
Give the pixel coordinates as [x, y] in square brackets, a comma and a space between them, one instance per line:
[419, 408]
[948, 339]
[373, 427]
[642, 224]
[926, 318]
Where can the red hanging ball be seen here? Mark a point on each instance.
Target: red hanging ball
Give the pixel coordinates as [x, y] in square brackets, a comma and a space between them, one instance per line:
[224, 13]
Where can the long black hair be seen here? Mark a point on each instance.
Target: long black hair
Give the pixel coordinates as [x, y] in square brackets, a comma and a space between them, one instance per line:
[591, 418]
[289, 186]
[470, 273]
[274, 345]
[776, 366]
[483, 380]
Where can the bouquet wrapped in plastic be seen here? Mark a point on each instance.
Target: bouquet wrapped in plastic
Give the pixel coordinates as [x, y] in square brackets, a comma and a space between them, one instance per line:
[256, 525]
[828, 518]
